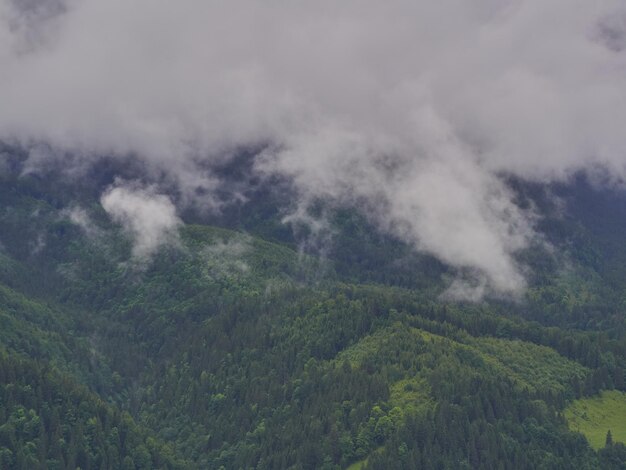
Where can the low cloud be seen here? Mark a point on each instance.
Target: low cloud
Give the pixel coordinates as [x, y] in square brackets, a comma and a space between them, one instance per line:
[149, 218]
[413, 111]
[226, 258]
[80, 217]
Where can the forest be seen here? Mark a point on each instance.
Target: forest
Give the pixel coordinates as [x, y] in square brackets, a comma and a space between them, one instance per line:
[246, 346]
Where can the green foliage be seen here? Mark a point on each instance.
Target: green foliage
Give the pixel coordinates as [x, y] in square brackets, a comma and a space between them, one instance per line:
[231, 351]
[47, 420]
[536, 369]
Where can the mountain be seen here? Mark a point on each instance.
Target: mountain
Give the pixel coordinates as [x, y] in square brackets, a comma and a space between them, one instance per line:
[242, 342]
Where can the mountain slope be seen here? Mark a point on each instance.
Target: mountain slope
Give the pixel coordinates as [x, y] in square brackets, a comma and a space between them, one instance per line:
[226, 350]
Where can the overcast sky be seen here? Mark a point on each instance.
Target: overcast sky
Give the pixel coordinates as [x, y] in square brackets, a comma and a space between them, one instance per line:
[412, 109]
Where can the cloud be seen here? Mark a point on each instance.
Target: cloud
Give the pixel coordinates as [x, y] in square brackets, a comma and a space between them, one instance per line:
[226, 258]
[150, 218]
[80, 217]
[413, 111]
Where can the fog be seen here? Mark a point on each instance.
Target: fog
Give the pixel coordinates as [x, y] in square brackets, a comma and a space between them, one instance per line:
[412, 111]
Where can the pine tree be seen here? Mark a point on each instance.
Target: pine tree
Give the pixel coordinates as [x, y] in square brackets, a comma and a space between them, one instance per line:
[609, 439]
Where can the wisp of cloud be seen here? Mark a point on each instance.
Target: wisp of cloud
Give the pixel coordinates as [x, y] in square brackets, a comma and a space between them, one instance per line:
[149, 218]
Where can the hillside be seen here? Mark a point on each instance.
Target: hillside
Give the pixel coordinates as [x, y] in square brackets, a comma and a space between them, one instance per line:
[238, 346]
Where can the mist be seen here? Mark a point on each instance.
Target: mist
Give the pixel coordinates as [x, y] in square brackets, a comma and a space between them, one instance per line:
[414, 112]
[149, 218]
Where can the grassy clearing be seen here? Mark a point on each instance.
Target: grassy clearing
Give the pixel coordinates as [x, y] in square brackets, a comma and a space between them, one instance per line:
[594, 416]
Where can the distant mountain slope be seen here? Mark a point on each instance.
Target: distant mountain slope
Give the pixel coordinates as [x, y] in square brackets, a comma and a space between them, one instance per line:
[233, 349]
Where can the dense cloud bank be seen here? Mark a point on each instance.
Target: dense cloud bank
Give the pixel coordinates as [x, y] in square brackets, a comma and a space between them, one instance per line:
[412, 110]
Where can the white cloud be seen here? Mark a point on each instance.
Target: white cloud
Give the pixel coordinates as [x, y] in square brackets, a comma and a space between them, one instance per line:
[150, 218]
[412, 109]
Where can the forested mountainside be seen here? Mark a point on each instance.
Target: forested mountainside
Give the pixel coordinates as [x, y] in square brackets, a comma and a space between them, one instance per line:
[246, 343]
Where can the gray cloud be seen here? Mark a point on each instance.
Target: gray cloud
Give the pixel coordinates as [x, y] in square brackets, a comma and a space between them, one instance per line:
[411, 109]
